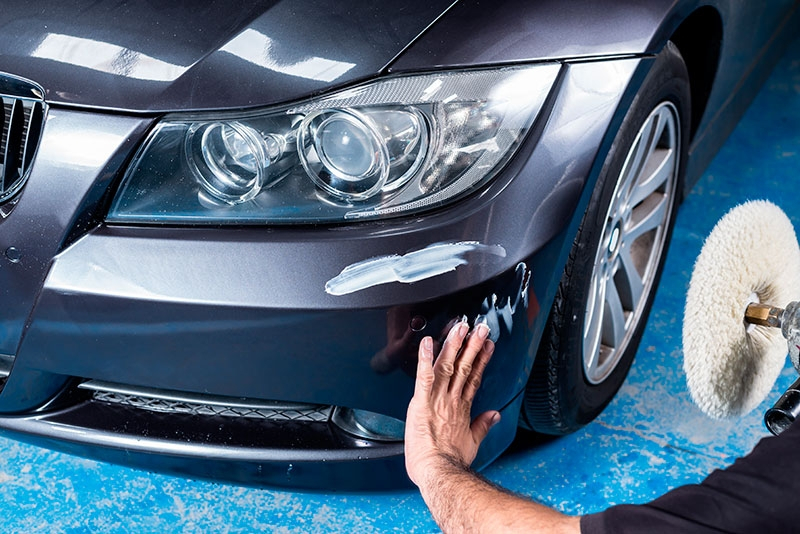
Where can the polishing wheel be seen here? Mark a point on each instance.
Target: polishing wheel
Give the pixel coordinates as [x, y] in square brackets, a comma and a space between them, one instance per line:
[750, 257]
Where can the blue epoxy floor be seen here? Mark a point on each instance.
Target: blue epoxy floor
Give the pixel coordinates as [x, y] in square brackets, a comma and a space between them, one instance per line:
[649, 440]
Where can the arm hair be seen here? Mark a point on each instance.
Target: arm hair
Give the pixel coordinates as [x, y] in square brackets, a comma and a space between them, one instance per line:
[463, 501]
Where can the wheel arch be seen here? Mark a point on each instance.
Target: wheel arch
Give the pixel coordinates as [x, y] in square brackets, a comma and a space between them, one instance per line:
[542, 411]
[699, 40]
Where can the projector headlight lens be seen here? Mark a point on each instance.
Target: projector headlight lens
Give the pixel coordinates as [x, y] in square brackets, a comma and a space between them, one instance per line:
[391, 147]
[343, 154]
[228, 160]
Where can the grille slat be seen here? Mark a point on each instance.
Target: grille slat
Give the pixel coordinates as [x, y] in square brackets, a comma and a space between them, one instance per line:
[3, 141]
[32, 135]
[16, 126]
[22, 120]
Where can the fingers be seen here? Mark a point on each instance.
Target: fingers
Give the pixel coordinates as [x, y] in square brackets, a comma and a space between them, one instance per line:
[482, 424]
[462, 360]
[469, 359]
[424, 382]
[439, 420]
[473, 381]
[446, 362]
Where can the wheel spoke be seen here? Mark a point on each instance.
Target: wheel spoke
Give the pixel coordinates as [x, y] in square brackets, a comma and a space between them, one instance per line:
[614, 317]
[657, 171]
[659, 121]
[590, 361]
[628, 278]
[650, 221]
[638, 156]
[594, 320]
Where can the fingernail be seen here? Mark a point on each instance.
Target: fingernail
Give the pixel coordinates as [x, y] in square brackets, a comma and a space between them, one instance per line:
[463, 328]
[495, 419]
[482, 330]
[488, 346]
[427, 344]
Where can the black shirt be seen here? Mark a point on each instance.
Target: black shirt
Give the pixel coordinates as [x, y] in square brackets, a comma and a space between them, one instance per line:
[759, 493]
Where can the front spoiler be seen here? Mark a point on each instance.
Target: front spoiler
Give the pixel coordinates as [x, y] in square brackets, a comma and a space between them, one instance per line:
[289, 454]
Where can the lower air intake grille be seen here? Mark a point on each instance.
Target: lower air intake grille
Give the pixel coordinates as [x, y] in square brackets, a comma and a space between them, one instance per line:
[199, 405]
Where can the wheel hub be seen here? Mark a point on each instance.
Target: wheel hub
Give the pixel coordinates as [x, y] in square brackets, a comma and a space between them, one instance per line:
[615, 240]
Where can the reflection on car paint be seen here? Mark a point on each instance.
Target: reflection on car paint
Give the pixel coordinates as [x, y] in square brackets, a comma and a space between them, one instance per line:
[499, 311]
[257, 48]
[406, 325]
[428, 262]
[106, 57]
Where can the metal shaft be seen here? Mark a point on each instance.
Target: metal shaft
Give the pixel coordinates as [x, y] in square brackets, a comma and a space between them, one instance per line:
[763, 315]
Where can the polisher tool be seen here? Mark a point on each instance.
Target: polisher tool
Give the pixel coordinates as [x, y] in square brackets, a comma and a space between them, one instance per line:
[787, 409]
[734, 326]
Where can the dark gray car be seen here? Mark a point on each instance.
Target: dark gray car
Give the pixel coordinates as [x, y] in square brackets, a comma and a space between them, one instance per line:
[227, 225]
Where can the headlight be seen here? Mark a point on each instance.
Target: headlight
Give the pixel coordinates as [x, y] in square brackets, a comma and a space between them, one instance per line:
[391, 147]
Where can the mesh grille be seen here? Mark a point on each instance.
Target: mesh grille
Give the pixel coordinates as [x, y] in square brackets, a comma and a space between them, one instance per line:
[22, 121]
[277, 412]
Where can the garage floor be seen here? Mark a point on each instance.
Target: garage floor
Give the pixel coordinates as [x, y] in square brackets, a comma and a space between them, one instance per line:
[649, 440]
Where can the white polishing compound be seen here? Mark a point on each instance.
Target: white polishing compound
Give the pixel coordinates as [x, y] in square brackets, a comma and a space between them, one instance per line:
[751, 255]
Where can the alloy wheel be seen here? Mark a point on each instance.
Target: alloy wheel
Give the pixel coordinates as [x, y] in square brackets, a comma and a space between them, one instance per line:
[632, 242]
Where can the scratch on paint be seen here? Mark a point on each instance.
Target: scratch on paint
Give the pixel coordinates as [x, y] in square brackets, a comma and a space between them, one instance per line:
[428, 262]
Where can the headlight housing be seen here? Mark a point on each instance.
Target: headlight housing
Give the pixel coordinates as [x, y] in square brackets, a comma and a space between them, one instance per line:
[390, 147]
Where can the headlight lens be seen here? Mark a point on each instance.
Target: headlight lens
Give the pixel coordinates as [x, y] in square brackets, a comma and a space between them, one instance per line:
[227, 159]
[391, 147]
[343, 154]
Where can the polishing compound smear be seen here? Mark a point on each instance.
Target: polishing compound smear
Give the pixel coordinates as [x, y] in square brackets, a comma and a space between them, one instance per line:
[751, 255]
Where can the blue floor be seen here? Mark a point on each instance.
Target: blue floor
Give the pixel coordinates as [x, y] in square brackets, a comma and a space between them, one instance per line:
[649, 440]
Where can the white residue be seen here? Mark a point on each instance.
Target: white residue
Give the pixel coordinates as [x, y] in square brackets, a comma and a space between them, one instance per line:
[428, 262]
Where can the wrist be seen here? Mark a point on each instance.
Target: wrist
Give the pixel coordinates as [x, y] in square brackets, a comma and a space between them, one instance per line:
[438, 466]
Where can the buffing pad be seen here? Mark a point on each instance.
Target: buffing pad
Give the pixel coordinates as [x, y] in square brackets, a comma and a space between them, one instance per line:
[751, 255]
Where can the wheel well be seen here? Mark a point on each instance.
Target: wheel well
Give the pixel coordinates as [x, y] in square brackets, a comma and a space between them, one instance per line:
[699, 39]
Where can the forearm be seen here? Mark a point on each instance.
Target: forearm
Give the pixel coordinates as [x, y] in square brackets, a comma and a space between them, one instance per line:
[462, 501]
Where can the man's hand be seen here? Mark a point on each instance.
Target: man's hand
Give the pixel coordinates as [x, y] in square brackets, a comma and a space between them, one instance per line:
[438, 426]
[441, 443]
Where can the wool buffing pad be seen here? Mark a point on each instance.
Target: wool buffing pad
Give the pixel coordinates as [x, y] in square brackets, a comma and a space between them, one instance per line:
[751, 255]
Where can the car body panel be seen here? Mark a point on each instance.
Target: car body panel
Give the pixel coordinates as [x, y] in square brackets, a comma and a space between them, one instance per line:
[752, 52]
[75, 156]
[535, 31]
[134, 56]
[146, 56]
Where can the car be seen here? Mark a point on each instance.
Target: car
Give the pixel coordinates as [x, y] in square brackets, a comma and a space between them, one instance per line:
[226, 226]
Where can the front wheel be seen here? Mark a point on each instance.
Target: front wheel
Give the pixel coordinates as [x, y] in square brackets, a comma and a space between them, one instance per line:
[609, 281]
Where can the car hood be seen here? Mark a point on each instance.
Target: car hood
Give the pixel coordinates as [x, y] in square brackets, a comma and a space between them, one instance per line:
[152, 56]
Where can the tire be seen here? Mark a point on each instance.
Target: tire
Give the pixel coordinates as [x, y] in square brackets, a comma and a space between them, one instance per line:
[601, 306]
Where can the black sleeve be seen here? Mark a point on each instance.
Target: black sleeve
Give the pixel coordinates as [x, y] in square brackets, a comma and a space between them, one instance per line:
[759, 493]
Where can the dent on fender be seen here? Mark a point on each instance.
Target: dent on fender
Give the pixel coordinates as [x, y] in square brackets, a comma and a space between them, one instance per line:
[433, 260]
